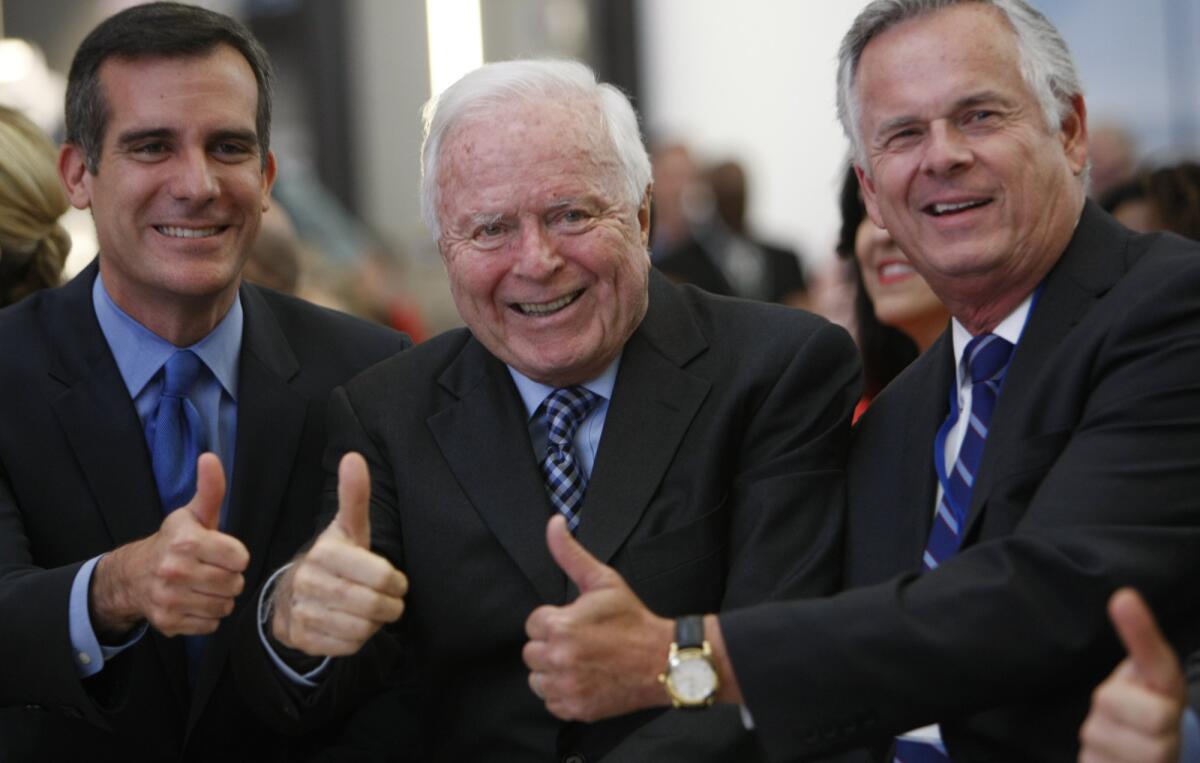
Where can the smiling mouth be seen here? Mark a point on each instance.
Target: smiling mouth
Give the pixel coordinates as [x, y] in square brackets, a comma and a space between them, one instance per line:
[176, 232]
[895, 271]
[941, 210]
[539, 309]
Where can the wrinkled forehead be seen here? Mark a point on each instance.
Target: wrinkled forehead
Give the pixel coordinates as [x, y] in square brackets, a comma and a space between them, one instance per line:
[526, 138]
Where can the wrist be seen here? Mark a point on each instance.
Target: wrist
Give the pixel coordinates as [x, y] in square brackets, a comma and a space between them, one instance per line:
[111, 609]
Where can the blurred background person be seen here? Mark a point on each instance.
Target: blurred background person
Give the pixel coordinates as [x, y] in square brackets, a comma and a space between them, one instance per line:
[719, 254]
[1113, 154]
[896, 315]
[1167, 199]
[674, 174]
[33, 246]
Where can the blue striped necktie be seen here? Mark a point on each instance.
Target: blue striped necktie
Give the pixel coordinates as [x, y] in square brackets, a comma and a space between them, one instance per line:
[987, 357]
[563, 411]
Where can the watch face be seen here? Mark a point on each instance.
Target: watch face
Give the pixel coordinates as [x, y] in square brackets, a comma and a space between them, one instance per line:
[693, 679]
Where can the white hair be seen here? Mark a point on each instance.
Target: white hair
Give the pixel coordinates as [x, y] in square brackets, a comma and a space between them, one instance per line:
[1046, 63]
[496, 84]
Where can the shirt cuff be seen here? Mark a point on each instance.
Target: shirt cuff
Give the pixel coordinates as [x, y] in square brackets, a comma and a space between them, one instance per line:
[88, 655]
[1189, 731]
[307, 679]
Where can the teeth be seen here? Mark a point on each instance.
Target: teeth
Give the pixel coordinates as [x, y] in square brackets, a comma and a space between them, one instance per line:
[941, 209]
[544, 308]
[895, 270]
[186, 232]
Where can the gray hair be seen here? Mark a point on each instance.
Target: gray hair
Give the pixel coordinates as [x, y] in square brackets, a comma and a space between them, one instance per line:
[497, 84]
[1046, 63]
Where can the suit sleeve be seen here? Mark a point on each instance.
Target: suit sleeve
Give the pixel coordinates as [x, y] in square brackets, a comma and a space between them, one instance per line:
[786, 499]
[1104, 497]
[34, 605]
[348, 681]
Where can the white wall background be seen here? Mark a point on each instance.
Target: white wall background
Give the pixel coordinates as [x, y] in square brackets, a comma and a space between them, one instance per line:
[754, 80]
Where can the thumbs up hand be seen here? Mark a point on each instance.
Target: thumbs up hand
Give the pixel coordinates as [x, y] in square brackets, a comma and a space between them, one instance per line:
[1136, 712]
[339, 593]
[600, 655]
[183, 579]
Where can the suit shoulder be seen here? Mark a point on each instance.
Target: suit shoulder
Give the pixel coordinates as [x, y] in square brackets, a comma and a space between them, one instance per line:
[300, 317]
[420, 364]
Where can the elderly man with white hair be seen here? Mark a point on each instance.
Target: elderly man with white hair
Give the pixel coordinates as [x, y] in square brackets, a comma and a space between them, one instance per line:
[694, 443]
[1042, 453]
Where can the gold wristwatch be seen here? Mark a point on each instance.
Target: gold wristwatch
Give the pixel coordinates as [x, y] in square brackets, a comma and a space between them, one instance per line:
[690, 678]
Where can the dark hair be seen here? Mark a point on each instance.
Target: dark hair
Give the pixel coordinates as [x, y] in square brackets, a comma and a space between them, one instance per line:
[155, 29]
[885, 350]
[1173, 194]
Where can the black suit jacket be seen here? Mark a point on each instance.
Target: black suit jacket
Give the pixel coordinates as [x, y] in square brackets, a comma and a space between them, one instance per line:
[76, 481]
[718, 483]
[1089, 481]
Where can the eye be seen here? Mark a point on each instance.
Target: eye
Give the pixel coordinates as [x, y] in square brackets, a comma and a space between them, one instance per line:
[981, 117]
[571, 218]
[150, 150]
[903, 137]
[232, 151]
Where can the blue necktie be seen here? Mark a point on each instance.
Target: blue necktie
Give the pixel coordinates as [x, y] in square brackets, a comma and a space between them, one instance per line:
[175, 433]
[987, 357]
[564, 410]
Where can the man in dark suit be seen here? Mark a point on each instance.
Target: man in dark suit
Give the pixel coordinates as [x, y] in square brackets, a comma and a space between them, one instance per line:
[992, 511]
[116, 619]
[704, 464]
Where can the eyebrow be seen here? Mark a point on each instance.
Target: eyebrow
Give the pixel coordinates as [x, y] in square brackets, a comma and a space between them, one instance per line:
[164, 133]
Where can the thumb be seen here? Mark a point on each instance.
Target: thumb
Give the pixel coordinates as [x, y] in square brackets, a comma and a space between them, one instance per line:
[1154, 662]
[210, 491]
[584, 570]
[354, 499]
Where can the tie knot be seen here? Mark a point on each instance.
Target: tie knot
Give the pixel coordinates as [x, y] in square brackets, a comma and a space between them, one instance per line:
[180, 372]
[565, 410]
[987, 357]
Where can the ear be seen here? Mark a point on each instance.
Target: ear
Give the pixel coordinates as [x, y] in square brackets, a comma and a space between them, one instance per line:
[72, 170]
[1073, 134]
[268, 180]
[870, 201]
[643, 215]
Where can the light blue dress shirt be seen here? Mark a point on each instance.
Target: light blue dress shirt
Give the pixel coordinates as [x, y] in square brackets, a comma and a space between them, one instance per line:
[140, 355]
[585, 443]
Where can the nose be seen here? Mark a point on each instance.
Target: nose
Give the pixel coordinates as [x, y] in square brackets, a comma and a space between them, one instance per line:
[946, 150]
[193, 177]
[537, 253]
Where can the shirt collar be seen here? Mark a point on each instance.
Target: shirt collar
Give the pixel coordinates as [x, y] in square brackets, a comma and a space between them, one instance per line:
[1010, 329]
[533, 393]
[140, 352]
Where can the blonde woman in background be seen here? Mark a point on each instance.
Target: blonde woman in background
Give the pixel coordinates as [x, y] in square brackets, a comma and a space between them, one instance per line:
[33, 246]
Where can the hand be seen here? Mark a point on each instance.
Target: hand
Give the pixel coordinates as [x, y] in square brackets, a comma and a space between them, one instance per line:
[183, 579]
[599, 656]
[1136, 712]
[339, 593]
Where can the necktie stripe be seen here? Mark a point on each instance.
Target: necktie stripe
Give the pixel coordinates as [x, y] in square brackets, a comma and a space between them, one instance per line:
[987, 357]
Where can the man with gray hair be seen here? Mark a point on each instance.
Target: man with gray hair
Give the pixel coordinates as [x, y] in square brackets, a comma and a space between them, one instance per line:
[1042, 453]
[694, 443]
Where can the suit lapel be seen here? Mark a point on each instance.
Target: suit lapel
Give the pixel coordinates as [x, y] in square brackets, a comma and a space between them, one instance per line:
[270, 421]
[653, 404]
[1089, 267]
[484, 439]
[101, 425]
[933, 376]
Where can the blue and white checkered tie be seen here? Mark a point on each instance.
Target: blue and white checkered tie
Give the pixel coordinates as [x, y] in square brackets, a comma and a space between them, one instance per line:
[564, 410]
